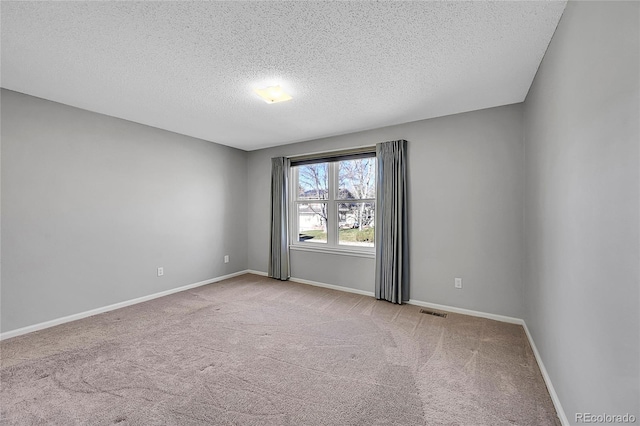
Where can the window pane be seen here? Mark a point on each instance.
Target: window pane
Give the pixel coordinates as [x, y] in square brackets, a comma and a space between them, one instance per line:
[356, 224]
[312, 223]
[357, 179]
[313, 181]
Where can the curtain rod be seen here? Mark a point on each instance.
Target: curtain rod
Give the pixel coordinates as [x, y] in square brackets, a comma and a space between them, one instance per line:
[334, 153]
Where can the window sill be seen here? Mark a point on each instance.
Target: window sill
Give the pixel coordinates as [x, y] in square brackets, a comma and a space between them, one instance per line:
[335, 251]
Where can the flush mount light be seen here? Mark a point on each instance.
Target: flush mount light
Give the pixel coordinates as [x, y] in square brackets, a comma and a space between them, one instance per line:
[273, 94]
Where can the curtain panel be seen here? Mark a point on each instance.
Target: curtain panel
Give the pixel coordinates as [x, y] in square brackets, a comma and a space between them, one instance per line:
[279, 254]
[392, 242]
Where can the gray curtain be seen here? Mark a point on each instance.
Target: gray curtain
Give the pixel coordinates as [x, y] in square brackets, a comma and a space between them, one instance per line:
[392, 248]
[279, 254]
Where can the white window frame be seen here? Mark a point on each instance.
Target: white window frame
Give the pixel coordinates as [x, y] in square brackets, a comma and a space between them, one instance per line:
[332, 245]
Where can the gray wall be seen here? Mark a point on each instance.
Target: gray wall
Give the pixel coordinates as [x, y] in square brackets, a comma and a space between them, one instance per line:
[92, 205]
[582, 215]
[465, 201]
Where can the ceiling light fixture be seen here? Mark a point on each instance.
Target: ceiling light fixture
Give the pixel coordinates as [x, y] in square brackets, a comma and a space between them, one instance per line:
[273, 94]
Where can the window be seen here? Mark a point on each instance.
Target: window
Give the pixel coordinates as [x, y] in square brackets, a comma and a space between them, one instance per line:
[333, 203]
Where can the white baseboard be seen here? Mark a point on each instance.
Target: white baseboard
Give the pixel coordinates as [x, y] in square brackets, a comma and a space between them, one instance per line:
[333, 287]
[469, 312]
[547, 380]
[319, 284]
[501, 318]
[74, 317]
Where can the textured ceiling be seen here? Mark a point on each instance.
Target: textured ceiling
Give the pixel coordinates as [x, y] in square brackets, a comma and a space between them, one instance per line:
[191, 67]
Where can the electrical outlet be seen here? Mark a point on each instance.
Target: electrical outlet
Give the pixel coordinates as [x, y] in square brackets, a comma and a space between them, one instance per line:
[160, 272]
[226, 258]
[458, 282]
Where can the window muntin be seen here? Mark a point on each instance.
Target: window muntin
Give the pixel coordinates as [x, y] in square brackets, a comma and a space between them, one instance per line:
[334, 204]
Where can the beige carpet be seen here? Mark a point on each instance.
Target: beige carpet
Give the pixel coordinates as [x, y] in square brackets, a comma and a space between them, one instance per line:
[255, 351]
